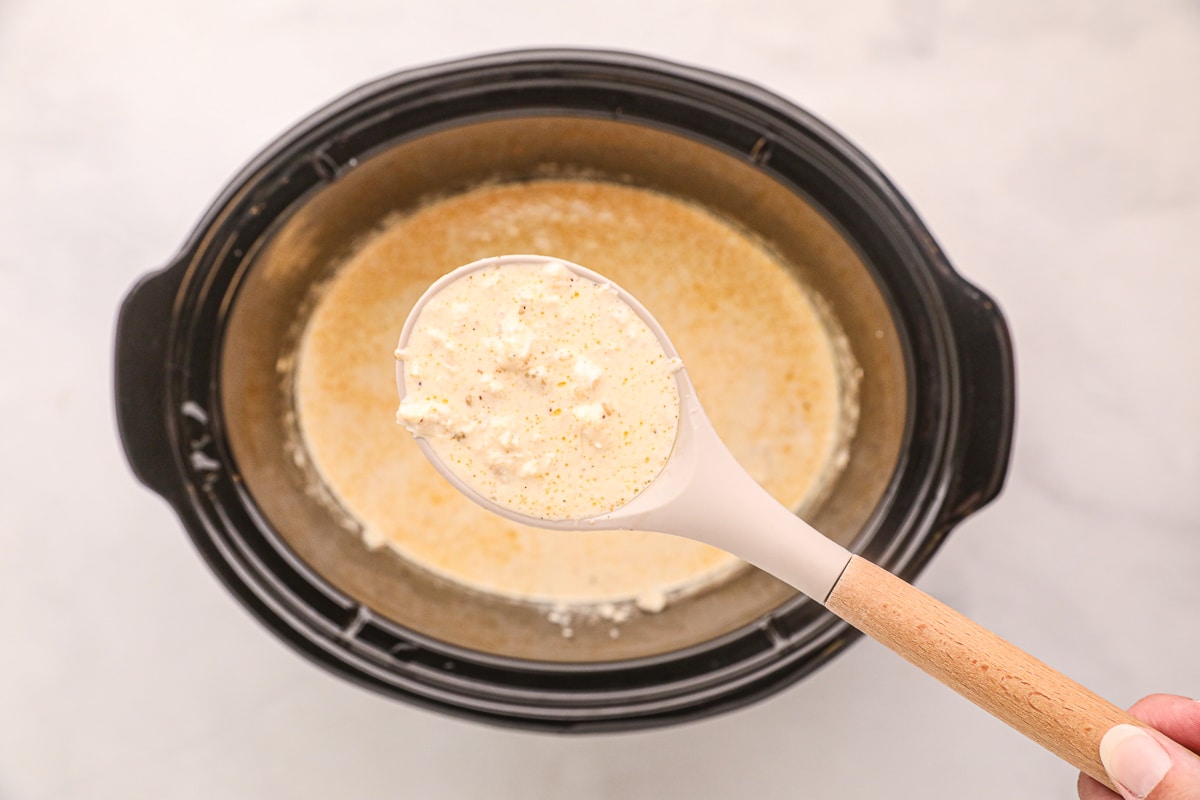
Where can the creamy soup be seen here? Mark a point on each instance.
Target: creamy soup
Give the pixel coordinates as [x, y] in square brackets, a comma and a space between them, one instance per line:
[540, 389]
[730, 306]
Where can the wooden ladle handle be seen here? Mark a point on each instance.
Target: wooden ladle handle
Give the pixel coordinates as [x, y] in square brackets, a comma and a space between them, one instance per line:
[1064, 717]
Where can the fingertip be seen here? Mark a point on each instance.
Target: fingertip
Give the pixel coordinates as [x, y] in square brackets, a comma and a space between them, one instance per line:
[1134, 759]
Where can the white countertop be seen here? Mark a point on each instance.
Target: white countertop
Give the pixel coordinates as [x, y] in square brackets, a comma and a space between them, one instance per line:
[1053, 147]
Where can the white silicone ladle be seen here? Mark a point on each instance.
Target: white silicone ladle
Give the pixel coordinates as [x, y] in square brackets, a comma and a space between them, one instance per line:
[704, 494]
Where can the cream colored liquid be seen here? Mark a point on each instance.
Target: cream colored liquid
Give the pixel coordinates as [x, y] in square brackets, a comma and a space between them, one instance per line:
[540, 389]
[730, 307]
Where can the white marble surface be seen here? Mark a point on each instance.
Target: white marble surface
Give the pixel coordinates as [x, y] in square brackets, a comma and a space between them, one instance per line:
[1053, 146]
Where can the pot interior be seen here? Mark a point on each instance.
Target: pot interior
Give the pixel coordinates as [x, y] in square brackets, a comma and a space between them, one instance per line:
[276, 293]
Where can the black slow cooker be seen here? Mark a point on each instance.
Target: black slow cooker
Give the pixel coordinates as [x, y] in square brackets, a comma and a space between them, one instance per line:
[204, 405]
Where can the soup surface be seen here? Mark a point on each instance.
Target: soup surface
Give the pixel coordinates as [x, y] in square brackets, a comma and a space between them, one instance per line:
[762, 357]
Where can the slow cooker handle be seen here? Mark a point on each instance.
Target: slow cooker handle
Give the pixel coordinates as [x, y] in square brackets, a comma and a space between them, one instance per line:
[988, 407]
[141, 374]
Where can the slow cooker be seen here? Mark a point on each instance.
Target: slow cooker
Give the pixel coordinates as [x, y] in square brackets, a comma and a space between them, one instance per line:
[206, 419]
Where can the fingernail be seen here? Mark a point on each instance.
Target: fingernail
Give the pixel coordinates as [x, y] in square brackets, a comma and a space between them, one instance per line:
[1133, 759]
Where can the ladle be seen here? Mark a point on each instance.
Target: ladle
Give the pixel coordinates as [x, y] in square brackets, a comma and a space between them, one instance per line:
[704, 494]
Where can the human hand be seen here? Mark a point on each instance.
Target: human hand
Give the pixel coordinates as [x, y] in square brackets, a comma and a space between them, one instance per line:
[1146, 765]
